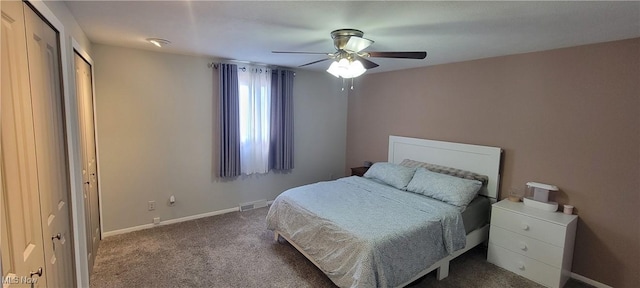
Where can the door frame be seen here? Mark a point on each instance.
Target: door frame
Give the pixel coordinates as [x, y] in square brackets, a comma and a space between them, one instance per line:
[81, 266]
[83, 53]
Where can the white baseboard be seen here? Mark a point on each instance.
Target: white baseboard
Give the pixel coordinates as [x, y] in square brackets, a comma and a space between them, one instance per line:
[172, 221]
[589, 281]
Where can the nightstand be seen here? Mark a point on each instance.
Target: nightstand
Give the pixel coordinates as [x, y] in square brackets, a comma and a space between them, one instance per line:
[359, 171]
[533, 243]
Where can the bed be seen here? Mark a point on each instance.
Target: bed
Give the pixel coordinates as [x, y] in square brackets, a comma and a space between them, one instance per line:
[364, 232]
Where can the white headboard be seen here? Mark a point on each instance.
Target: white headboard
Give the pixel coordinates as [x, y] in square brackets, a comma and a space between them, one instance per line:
[482, 160]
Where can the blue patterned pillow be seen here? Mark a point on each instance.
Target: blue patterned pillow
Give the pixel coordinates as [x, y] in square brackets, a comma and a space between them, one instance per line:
[446, 170]
[453, 190]
[390, 174]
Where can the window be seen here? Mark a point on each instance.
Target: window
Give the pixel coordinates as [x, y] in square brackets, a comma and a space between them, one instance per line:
[254, 89]
[256, 120]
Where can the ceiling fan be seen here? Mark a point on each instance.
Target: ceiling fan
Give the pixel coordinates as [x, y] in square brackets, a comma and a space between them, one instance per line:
[349, 59]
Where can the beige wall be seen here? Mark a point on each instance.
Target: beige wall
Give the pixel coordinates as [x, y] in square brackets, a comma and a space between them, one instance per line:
[568, 117]
[155, 121]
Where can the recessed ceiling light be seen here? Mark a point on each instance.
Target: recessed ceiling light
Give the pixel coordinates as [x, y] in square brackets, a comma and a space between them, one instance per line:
[158, 41]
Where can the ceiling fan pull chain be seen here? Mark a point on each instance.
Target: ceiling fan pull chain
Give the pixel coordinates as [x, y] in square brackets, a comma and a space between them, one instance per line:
[343, 84]
[351, 83]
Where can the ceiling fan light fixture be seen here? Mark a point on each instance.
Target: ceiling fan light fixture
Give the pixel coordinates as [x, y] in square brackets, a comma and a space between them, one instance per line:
[334, 69]
[346, 69]
[357, 68]
[339, 68]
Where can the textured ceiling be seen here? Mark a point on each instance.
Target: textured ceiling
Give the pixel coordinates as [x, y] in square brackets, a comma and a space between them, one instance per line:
[448, 31]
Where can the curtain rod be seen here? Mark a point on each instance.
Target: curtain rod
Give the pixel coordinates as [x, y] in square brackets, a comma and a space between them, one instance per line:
[244, 69]
[215, 65]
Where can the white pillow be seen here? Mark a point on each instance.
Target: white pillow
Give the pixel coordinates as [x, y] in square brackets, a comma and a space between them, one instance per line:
[390, 174]
[453, 190]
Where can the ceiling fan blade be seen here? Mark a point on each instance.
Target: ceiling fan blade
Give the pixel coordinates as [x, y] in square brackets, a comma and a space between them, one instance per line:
[299, 52]
[368, 64]
[357, 44]
[314, 62]
[407, 55]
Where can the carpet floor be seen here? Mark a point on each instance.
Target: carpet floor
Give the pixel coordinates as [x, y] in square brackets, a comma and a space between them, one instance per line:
[236, 250]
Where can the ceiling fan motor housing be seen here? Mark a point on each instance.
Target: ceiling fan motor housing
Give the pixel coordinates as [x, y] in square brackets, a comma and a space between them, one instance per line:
[341, 37]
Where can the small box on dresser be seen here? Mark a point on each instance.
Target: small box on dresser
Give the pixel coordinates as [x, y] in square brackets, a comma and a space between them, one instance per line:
[533, 243]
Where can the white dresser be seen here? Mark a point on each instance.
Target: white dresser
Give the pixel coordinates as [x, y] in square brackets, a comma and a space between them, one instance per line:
[533, 243]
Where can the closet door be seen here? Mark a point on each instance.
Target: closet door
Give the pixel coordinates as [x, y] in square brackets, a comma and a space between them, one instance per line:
[84, 92]
[22, 241]
[50, 140]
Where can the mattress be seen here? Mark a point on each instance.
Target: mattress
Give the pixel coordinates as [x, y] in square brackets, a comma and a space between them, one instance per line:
[476, 214]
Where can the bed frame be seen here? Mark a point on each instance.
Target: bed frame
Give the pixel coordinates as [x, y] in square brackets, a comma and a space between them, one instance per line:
[483, 160]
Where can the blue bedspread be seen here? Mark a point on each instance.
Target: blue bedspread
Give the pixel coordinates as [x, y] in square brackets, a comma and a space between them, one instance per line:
[366, 234]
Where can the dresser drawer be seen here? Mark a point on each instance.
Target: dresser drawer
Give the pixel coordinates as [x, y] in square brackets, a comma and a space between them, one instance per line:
[525, 266]
[531, 227]
[532, 248]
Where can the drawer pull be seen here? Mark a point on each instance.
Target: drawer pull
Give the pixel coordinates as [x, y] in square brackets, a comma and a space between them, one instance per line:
[523, 246]
[521, 266]
[525, 226]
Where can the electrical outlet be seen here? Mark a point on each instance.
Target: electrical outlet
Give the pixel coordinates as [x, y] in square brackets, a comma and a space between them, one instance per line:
[151, 205]
[156, 220]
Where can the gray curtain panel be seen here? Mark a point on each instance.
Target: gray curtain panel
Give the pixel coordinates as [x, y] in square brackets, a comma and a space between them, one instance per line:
[281, 149]
[229, 157]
